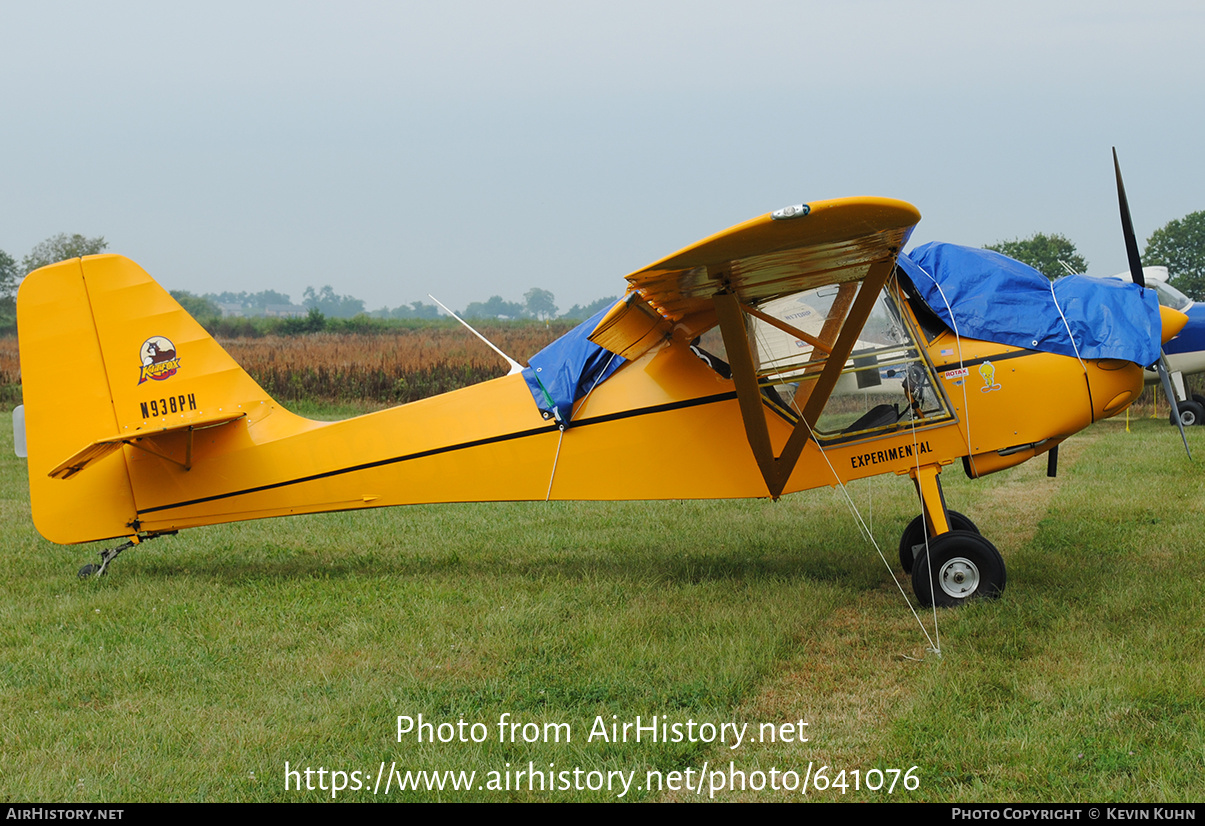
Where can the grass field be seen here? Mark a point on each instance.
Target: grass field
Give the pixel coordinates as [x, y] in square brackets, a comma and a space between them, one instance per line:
[204, 662]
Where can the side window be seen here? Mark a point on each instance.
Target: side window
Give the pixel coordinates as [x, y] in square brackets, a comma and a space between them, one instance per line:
[886, 383]
[787, 364]
[790, 339]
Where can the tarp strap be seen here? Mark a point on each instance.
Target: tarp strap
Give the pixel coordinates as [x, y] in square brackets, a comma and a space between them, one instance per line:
[1070, 334]
[556, 411]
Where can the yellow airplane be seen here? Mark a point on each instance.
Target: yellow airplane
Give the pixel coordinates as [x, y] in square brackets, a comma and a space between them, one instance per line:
[140, 425]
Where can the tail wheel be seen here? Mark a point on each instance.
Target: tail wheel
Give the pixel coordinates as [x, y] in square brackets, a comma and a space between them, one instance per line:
[912, 542]
[963, 566]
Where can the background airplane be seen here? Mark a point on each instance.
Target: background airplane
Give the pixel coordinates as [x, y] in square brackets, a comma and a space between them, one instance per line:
[1186, 352]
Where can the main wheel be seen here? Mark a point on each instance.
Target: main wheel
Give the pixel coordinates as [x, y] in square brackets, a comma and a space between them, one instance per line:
[963, 566]
[1191, 413]
[914, 535]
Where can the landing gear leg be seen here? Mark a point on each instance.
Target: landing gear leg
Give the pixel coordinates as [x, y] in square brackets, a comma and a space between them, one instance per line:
[960, 565]
[935, 517]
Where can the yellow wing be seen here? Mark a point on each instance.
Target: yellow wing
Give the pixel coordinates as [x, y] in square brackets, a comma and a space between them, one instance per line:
[730, 276]
[774, 255]
[780, 253]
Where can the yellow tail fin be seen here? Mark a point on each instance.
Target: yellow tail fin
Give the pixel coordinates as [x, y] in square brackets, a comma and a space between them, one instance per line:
[109, 358]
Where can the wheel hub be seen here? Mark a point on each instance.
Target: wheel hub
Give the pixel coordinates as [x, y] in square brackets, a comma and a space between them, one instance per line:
[959, 577]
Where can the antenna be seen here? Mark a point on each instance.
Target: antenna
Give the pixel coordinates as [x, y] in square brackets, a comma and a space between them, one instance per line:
[515, 367]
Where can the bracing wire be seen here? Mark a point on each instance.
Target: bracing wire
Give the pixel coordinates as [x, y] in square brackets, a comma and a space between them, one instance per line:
[866, 531]
[966, 412]
[933, 646]
[555, 460]
[924, 522]
[958, 346]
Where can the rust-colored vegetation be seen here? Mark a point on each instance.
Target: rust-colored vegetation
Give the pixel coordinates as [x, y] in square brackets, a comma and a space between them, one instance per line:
[390, 367]
[396, 367]
[10, 369]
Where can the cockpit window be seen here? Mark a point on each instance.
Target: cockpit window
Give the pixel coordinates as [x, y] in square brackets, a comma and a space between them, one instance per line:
[1169, 296]
[886, 383]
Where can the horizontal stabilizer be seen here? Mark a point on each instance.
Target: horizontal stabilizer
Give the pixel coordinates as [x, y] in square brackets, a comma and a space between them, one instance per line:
[117, 376]
[146, 440]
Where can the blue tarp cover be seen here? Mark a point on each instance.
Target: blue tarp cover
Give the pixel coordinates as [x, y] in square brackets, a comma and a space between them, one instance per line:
[995, 298]
[567, 369]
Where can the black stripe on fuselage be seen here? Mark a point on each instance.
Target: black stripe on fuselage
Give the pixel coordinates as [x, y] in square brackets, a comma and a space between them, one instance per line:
[505, 437]
[954, 365]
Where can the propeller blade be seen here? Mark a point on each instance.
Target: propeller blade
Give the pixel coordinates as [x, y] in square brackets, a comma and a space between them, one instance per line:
[1127, 228]
[1161, 366]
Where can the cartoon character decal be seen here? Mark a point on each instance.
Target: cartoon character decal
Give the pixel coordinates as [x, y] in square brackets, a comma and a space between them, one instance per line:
[158, 358]
[987, 372]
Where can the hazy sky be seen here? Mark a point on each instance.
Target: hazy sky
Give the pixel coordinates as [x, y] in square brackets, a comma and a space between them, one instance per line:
[393, 149]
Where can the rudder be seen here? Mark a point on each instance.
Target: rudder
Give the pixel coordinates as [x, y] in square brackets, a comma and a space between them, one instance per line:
[108, 357]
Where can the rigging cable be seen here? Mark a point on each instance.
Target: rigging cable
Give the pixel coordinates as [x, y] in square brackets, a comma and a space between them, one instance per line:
[966, 411]
[565, 426]
[866, 532]
[934, 647]
[1074, 346]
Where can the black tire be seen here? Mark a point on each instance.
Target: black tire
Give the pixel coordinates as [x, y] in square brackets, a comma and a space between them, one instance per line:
[914, 535]
[1199, 399]
[964, 566]
[1191, 413]
[88, 571]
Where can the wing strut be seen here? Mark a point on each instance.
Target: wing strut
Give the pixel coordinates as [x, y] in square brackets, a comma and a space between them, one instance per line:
[777, 470]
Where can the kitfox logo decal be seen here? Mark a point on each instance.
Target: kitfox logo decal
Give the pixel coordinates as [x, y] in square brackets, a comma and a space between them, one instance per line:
[159, 360]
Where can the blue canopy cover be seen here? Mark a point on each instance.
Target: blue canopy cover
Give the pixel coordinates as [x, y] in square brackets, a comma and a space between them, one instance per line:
[989, 296]
[568, 369]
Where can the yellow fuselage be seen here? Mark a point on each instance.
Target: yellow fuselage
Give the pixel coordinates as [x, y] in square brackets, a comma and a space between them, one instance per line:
[665, 426]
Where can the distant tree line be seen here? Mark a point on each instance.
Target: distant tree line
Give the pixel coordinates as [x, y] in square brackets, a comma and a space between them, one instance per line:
[538, 305]
[315, 313]
[1179, 245]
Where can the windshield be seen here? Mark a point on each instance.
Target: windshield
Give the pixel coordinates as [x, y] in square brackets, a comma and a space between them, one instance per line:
[1169, 296]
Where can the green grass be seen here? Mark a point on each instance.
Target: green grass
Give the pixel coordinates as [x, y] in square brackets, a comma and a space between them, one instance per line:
[203, 662]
